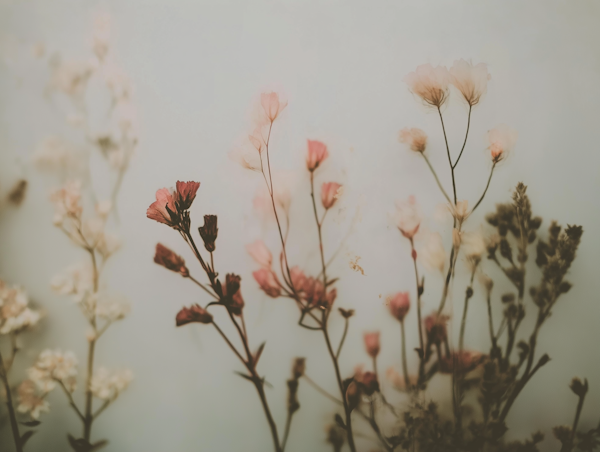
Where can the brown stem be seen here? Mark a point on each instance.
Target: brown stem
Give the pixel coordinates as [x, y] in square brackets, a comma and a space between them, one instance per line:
[321, 390]
[11, 410]
[312, 195]
[339, 350]
[463, 323]
[486, 188]
[404, 363]
[419, 319]
[466, 136]
[436, 178]
[448, 152]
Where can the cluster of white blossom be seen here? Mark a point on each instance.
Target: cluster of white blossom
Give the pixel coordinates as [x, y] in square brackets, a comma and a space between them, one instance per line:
[107, 385]
[15, 315]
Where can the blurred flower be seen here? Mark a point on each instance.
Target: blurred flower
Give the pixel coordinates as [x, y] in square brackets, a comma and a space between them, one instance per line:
[66, 202]
[461, 362]
[314, 291]
[372, 343]
[352, 395]
[399, 304]
[435, 326]
[15, 315]
[460, 211]
[168, 259]
[101, 34]
[470, 80]
[267, 280]
[29, 401]
[112, 308]
[473, 246]
[54, 366]
[107, 385]
[54, 154]
[260, 253]
[415, 138]
[194, 313]
[368, 382]
[502, 139]
[317, 153]
[77, 280]
[407, 217]
[298, 278]
[398, 381]
[430, 84]
[432, 254]
[330, 193]
[71, 77]
[271, 105]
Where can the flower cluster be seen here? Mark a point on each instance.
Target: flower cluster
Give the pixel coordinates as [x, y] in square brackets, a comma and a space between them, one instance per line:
[15, 314]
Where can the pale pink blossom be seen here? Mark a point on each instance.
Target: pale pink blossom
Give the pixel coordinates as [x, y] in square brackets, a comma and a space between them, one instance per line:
[282, 195]
[471, 80]
[314, 291]
[67, 202]
[398, 381]
[317, 153]
[158, 209]
[267, 280]
[330, 193]
[399, 304]
[298, 278]
[432, 253]
[407, 217]
[260, 253]
[430, 84]
[502, 140]
[272, 105]
[372, 343]
[416, 139]
[29, 400]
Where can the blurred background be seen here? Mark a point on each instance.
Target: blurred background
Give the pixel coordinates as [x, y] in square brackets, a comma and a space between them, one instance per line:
[196, 68]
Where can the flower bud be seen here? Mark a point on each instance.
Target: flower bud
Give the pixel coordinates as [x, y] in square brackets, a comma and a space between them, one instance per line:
[168, 259]
[195, 313]
[208, 232]
[372, 343]
[352, 395]
[399, 304]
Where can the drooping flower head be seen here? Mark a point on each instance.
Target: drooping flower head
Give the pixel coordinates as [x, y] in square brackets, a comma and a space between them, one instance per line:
[372, 343]
[470, 80]
[317, 153]
[407, 217]
[168, 259]
[330, 193]
[415, 138]
[430, 84]
[502, 139]
[272, 105]
[268, 282]
[194, 313]
[399, 304]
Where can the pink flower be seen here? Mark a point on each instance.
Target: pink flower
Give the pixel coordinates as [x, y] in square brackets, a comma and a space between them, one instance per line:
[372, 343]
[168, 259]
[272, 105]
[415, 138]
[399, 304]
[195, 313]
[317, 153]
[163, 209]
[330, 193]
[407, 216]
[502, 139]
[430, 84]
[298, 278]
[435, 325]
[260, 253]
[185, 194]
[314, 291]
[267, 280]
[461, 362]
[470, 80]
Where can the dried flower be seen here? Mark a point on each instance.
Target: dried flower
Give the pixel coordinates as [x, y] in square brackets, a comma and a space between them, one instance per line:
[298, 278]
[470, 80]
[298, 367]
[460, 211]
[260, 253]
[430, 84]
[185, 194]
[330, 193]
[112, 308]
[267, 280]
[435, 325]
[460, 362]
[502, 139]
[372, 343]
[368, 382]
[314, 291]
[399, 304]
[77, 281]
[407, 217]
[473, 246]
[29, 401]
[346, 313]
[208, 232]
[66, 202]
[271, 105]
[415, 138]
[107, 385]
[398, 381]
[317, 153]
[15, 315]
[163, 209]
[53, 366]
[353, 395]
[194, 313]
[168, 259]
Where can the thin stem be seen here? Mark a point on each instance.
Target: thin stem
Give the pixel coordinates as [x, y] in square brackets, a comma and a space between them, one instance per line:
[339, 350]
[89, 397]
[312, 195]
[463, 323]
[466, 136]
[322, 391]
[11, 410]
[286, 433]
[404, 363]
[231, 346]
[71, 401]
[577, 414]
[491, 321]
[486, 188]
[419, 320]
[449, 157]
[436, 178]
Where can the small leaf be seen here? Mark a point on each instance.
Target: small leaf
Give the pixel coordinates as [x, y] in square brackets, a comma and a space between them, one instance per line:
[80, 444]
[25, 437]
[259, 352]
[331, 281]
[98, 445]
[31, 423]
[339, 421]
[247, 377]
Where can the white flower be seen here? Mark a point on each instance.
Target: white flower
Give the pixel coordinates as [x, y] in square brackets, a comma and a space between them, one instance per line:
[430, 84]
[108, 244]
[112, 308]
[502, 139]
[66, 201]
[407, 217]
[107, 385]
[71, 77]
[470, 80]
[432, 254]
[460, 211]
[415, 138]
[53, 366]
[77, 280]
[473, 246]
[29, 401]
[15, 315]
